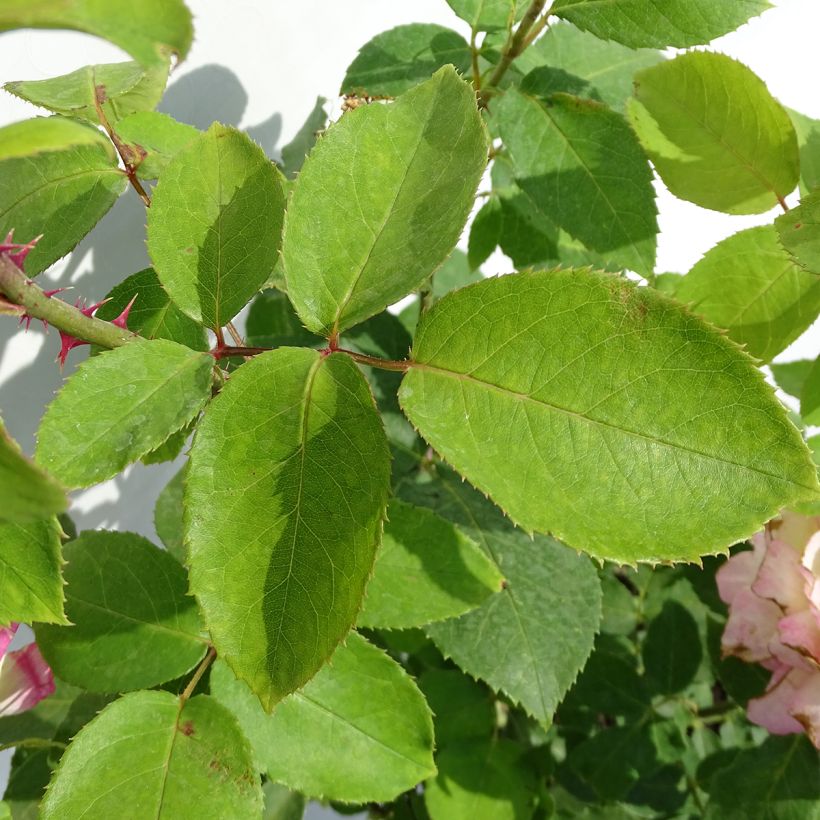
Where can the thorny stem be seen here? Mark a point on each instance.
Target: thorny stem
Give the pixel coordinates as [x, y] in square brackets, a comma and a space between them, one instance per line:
[542, 23]
[383, 364]
[224, 351]
[125, 152]
[516, 43]
[18, 288]
[782, 202]
[200, 671]
[237, 339]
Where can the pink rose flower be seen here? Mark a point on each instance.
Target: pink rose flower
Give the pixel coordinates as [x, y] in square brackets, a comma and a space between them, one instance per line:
[25, 678]
[773, 593]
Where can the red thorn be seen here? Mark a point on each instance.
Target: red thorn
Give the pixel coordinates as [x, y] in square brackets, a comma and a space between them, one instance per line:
[16, 251]
[122, 319]
[91, 309]
[50, 293]
[67, 343]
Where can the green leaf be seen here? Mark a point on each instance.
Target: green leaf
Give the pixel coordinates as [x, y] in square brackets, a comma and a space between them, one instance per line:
[672, 650]
[153, 314]
[530, 640]
[214, 224]
[381, 201]
[485, 232]
[482, 780]
[125, 599]
[810, 396]
[396, 60]
[426, 571]
[294, 153]
[640, 23]
[582, 167]
[31, 583]
[808, 140]
[799, 232]
[120, 405]
[168, 516]
[359, 731]
[272, 322]
[605, 414]
[121, 88]
[148, 755]
[281, 803]
[750, 286]
[42, 721]
[150, 31]
[172, 446]
[58, 178]
[605, 68]
[715, 134]
[775, 781]
[791, 376]
[463, 708]
[157, 137]
[28, 493]
[488, 15]
[285, 497]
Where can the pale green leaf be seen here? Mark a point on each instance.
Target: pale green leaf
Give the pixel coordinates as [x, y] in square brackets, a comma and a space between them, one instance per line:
[125, 599]
[214, 224]
[285, 496]
[120, 88]
[396, 60]
[799, 233]
[153, 314]
[791, 376]
[150, 31]
[463, 709]
[168, 516]
[381, 201]
[581, 165]
[359, 731]
[488, 15]
[775, 781]
[605, 68]
[604, 413]
[810, 396]
[638, 23]
[750, 286]
[281, 803]
[120, 405]
[715, 134]
[31, 583]
[148, 757]
[27, 492]
[481, 780]
[294, 153]
[530, 640]
[157, 137]
[58, 178]
[426, 571]
[808, 140]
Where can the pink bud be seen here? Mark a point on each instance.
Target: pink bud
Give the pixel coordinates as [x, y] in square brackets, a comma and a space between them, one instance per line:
[25, 679]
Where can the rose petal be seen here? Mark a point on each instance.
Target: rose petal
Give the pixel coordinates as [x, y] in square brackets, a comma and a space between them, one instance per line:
[801, 632]
[794, 529]
[805, 707]
[751, 628]
[25, 679]
[780, 577]
[6, 637]
[739, 572]
[811, 569]
[771, 710]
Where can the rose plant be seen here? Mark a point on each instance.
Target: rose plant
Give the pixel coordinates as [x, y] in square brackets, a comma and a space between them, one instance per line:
[462, 559]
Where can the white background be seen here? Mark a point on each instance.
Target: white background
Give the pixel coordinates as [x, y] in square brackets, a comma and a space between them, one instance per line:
[260, 64]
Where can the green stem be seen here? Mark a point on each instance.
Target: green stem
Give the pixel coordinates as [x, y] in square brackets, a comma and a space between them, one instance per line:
[373, 361]
[200, 671]
[515, 45]
[18, 288]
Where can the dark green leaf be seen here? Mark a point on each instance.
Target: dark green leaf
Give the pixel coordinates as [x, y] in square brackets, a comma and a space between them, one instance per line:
[810, 396]
[463, 709]
[672, 651]
[285, 496]
[168, 516]
[120, 405]
[214, 224]
[544, 388]
[485, 232]
[359, 731]
[125, 599]
[381, 201]
[396, 60]
[581, 165]
[272, 322]
[791, 376]
[148, 755]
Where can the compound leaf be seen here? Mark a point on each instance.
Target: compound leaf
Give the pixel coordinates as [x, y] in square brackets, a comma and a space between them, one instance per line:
[120, 405]
[285, 496]
[605, 414]
[381, 201]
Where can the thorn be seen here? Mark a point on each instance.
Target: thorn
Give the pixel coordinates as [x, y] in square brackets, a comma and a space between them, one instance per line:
[91, 309]
[50, 293]
[122, 319]
[18, 252]
[67, 343]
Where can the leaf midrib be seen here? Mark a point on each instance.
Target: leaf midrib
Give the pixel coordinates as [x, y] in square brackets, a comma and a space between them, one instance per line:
[600, 423]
